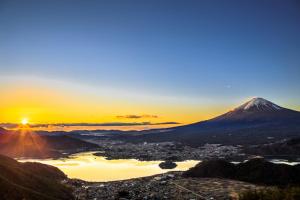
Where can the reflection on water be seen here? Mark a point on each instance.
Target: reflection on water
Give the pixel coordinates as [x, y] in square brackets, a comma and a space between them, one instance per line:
[88, 167]
[282, 161]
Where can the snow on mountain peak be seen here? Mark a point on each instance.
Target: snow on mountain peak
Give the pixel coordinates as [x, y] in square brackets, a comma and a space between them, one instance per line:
[259, 104]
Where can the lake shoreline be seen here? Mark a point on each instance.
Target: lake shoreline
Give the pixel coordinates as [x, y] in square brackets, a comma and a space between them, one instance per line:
[88, 167]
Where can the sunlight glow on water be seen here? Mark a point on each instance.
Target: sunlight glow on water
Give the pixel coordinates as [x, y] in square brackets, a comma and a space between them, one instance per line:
[88, 167]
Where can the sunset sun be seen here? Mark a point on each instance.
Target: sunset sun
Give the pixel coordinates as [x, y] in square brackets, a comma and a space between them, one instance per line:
[24, 121]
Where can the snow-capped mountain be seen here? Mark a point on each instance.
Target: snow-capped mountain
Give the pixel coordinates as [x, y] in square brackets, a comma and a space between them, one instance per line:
[259, 104]
[258, 109]
[253, 122]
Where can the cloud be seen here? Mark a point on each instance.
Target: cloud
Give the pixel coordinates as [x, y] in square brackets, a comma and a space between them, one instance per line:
[136, 116]
[165, 123]
[8, 125]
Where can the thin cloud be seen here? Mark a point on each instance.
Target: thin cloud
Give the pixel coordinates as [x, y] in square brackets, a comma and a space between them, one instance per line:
[136, 116]
[165, 123]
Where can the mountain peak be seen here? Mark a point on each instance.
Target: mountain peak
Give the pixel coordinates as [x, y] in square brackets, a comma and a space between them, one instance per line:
[259, 104]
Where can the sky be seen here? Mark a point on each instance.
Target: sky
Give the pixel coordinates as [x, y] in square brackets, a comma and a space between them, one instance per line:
[77, 61]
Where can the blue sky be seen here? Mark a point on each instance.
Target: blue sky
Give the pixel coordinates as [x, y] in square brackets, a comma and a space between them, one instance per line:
[217, 50]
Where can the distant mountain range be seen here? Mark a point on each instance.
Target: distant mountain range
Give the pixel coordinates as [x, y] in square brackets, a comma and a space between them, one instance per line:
[256, 121]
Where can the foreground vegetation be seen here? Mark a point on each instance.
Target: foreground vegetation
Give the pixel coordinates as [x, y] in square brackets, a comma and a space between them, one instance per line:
[283, 179]
[289, 193]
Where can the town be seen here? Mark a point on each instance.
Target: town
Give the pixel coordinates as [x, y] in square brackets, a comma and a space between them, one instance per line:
[172, 151]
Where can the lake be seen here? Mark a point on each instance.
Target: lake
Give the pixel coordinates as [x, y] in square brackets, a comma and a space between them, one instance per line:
[88, 167]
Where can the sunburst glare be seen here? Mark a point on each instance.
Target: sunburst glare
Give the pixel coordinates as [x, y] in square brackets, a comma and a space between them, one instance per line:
[24, 121]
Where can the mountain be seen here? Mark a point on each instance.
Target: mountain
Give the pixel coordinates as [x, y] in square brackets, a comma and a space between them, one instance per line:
[256, 121]
[25, 143]
[259, 104]
[258, 109]
[32, 181]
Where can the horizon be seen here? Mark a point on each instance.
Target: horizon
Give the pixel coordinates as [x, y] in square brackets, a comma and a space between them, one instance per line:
[115, 126]
[152, 64]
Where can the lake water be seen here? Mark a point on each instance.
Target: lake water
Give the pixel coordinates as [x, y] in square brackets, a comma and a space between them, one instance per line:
[88, 167]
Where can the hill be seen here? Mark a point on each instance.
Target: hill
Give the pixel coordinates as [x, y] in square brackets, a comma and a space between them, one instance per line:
[25, 143]
[32, 181]
[256, 171]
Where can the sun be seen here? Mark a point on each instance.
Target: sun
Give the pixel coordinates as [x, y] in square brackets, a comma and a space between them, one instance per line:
[24, 121]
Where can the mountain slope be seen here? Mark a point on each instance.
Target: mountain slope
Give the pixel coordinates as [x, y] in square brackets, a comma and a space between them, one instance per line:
[32, 181]
[256, 121]
[25, 143]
